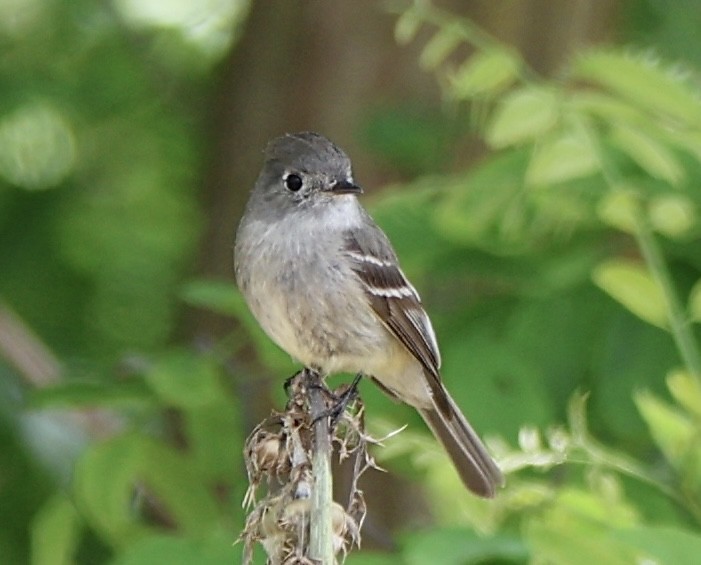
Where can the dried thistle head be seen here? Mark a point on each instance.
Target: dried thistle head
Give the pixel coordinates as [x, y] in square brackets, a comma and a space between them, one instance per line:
[278, 455]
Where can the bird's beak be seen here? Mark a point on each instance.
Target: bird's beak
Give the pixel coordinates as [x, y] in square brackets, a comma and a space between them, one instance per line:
[345, 187]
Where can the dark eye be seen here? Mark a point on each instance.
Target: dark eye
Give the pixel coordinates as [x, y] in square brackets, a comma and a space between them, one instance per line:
[293, 182]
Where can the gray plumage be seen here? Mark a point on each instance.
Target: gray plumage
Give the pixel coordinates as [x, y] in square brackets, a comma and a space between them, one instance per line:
[325, 284]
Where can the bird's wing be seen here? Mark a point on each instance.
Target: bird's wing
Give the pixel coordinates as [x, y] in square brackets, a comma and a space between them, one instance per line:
[392, 296]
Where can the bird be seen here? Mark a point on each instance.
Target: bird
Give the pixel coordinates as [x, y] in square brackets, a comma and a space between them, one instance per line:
[325, 284]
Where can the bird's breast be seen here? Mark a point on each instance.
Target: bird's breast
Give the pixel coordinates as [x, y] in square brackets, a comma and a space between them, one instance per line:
[309, 301]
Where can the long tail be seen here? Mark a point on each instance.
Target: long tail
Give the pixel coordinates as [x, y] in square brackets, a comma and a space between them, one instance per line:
[475, 466]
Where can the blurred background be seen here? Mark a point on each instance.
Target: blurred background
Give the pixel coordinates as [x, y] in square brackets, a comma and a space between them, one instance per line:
[536, 165]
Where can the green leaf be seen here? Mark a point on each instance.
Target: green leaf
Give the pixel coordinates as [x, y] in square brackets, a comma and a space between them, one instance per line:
[218, 296]
[630, 283]
[179, 551]
[562, 157]
[407, 26]
[642, 82]
[485, 73]
[673, 431]
[182, 378]
[104, 486]
[663, 544]
[72, 394]
[55, 532]
[685, 390]
[215, 452]
[673, 215]
[442, 44]
[653, 157]
[523, 115]
[461, 547]
[575, 530]
[620, 209]
[110, 474]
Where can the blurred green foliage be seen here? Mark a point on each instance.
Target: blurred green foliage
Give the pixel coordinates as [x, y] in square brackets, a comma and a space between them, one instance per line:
[562, 273]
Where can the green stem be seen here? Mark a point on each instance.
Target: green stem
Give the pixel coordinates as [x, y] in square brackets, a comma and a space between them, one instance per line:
[320, 528]
[678, 322]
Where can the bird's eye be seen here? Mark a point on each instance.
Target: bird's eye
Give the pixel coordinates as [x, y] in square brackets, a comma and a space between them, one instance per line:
[293, 182]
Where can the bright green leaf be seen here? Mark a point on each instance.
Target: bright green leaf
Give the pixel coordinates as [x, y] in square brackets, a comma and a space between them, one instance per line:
[182, 378]
[673, 431]
[651, 155]
[523, 115]
[440, 46]
[407, 26]
[55, 532]
[485, 73]
[685, 390]
[575, 529]
[630, 283]
[563, 157]
[673, 215]
[663, 544]
[620, 209]
[642, 82]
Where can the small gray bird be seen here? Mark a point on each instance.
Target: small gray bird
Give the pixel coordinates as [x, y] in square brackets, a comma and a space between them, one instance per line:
[325, 284]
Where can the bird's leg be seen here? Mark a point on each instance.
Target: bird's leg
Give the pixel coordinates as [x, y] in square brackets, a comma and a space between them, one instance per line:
[342, 400]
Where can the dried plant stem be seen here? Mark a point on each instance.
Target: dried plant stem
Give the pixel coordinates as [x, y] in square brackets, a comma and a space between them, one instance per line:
[320, 526]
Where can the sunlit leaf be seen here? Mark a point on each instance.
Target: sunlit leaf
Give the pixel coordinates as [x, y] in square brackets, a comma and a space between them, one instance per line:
[562, 157]
[407, 26]
[439, 47]
[485, 73]
[673, 215]
[673, 431]
[620, 209]
[651, 155]
[37, 147]
[575, 529]
[630, 283]
[523, 115]
[686, 390]
[642, 82]
[662, 544]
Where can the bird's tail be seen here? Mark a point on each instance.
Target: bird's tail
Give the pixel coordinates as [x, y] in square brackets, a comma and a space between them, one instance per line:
[475, 466]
